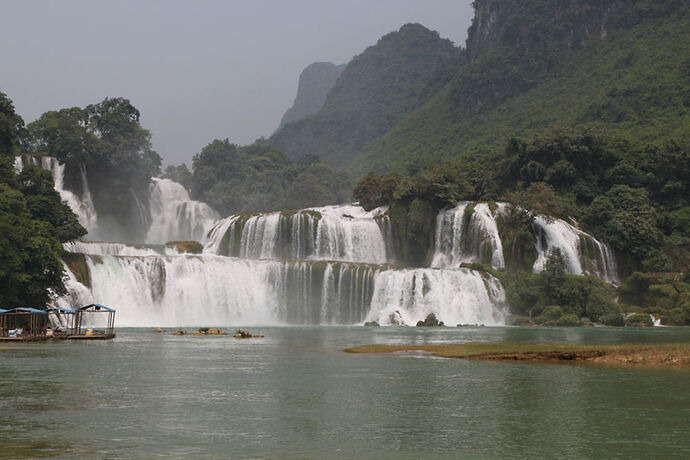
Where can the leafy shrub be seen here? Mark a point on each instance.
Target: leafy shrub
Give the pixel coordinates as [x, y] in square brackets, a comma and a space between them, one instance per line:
[677, 317]
[613, 319]
[639, 320]
[568, 321]
[549, 316]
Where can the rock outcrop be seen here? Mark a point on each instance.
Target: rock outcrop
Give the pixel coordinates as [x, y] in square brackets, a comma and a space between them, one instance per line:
[315, 82]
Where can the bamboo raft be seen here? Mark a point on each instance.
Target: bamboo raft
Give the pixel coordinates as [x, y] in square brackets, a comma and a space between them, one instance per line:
[25, 324]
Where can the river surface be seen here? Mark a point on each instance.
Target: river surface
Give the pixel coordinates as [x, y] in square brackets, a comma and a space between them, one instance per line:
[295, 394]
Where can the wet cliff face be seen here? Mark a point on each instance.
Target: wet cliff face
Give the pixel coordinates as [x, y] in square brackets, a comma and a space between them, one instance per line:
[314, 84]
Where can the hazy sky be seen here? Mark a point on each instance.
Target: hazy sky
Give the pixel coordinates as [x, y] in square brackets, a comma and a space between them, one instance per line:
[196, 70]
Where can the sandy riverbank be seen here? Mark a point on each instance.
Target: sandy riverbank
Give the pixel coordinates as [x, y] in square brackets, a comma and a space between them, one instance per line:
[667, 355]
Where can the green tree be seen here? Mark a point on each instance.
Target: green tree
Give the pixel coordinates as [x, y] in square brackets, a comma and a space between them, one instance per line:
[11, 127]
[45, 204]
[554, 275]
[375, 190]
[63, 134]
[180, 174]
[30, 264]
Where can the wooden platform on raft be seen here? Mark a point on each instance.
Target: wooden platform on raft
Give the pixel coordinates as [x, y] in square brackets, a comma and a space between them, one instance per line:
[27, 338]
[89, 337]
[43, 338]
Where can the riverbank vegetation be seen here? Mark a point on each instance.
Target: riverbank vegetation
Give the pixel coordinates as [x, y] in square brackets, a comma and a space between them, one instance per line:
[667, 355]
[34, 222]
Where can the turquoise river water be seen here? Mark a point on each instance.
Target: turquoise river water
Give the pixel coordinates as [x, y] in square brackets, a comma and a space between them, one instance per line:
[295, 394]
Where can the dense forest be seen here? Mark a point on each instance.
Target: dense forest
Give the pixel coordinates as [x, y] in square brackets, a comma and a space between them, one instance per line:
[255, 178]
[628, 78]
[34, 222]
[106, 139]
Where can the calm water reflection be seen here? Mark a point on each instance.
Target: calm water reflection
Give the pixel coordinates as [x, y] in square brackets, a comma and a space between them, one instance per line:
[295, 394]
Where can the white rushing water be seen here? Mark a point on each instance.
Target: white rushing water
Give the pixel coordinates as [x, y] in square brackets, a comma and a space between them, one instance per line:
[469, 233]
[175, 216]
[460, 239]
[82, 205]
[188, 290]
[109, 249]
[342, 233]
[454, 296]
[582, 252]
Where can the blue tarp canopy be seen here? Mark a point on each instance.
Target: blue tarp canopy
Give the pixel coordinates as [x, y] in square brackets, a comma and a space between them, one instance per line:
[33, 311]
[96, 306]
[61, 310]
[2, 310]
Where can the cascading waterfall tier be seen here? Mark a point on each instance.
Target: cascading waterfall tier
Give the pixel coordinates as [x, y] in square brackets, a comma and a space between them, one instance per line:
[82, 205]
[583, 253]
[403, 297]
[342, 233]
[188, 290]
[470, 233]
[467, 233]
[112, 249]
[175, 216]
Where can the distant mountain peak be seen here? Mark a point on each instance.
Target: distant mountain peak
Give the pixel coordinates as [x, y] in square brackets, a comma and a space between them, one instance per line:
[315, 81]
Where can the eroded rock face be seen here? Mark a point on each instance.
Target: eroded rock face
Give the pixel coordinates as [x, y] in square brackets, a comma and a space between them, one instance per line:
[315, 82]
[185, 247]
[430, 321]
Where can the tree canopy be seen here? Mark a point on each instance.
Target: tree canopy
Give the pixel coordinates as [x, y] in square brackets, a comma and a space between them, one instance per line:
[259, 178]
[34, 222]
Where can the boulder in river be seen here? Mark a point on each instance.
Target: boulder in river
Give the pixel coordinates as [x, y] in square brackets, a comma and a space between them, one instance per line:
[430, 321]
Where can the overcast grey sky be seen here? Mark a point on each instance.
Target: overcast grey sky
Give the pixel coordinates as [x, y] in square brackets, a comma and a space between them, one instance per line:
[196, 70]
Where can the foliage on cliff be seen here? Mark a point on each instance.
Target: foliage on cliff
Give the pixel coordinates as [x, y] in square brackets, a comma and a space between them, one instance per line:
[257, 178]
[376, 89]
[634, 196]
[108, 139]
[33, 223]
[619, 67]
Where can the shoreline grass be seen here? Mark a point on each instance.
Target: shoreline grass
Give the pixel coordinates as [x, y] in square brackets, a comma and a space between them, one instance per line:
[647, 355]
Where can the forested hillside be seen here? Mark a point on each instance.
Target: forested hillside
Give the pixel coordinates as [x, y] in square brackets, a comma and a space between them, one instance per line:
[373, 93]
[619, 68]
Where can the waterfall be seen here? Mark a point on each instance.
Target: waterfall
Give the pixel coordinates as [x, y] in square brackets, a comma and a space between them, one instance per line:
[467, 233]
[110, 249]
[341, 233]
[189, 290]
[18, 164]
[186, 290]
[454, 296]
[583, 253]
[174, 216]
[82, 205]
